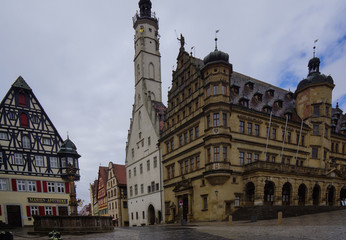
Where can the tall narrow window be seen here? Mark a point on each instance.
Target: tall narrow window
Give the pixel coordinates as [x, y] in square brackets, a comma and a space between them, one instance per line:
[316, 112]
[148, 165]
[241, 126]
[274, 133]
[249, 128]
[315, 129]
[224, 119]
[24, 120]
[241, 158]
[208, 155]
[197, 131]
[224, 153]
[26, 142]
[216, 90]
[257, 131]
[216, 154]
[216, 119]
[22, 99]
[248, 158]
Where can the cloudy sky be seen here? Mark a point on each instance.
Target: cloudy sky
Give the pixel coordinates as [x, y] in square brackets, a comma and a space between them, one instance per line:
[77, 56]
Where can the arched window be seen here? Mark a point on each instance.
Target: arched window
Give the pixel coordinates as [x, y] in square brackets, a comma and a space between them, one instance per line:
[26, 142]
[151, 71]
[24, 120]
[21, 99]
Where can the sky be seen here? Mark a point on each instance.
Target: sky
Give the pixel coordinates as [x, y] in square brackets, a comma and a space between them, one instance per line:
[77, 56]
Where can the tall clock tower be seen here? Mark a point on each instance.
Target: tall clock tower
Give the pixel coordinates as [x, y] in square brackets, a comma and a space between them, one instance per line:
[143, 164]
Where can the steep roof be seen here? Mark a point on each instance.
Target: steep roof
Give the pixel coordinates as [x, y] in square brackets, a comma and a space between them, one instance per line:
[20, 83]
[249, 87]
[120, 173]
[160, 109]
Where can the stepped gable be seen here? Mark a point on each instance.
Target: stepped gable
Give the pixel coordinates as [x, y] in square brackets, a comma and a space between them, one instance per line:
[103, 171]
[279, 100]
[120, 173]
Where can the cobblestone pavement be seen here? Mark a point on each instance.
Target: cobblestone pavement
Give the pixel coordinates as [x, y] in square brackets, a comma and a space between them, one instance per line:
[331, 225]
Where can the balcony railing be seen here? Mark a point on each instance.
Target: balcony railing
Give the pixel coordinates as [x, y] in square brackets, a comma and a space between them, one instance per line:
[279, 167]
[137, 16]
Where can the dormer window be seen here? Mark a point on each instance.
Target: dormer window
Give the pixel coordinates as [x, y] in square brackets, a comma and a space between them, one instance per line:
[235, 88]
[270, 92]
[258, 96]
[288, 114]
[267, 108]
[333, 128]
[249, 84]
[289, 95]
[243, 101]
[278, 103]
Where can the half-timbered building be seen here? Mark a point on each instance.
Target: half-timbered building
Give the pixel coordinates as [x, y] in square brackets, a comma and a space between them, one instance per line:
[33, 177]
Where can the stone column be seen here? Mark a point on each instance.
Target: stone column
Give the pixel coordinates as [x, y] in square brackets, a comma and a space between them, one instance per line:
[259, 192]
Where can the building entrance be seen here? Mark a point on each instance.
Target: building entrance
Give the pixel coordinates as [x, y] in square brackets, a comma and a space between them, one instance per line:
[316, 192]
[14, 216]
[269, 193]
[151, 214]
[331, 192]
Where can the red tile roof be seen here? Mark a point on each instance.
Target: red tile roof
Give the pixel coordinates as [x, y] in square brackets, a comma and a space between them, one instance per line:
[120, 173]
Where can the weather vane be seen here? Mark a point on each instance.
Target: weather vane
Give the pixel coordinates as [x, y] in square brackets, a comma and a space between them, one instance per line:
[314, 53]
[216, 39]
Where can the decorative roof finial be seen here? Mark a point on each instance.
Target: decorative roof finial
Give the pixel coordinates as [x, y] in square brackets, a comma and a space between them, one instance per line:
[216, 39]
[68, 137]
[314, 52]
[337, 103]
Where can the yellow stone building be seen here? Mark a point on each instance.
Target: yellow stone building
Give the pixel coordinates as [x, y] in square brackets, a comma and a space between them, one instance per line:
[230, 140]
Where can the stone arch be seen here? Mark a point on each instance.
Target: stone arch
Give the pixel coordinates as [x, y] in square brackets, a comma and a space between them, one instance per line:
[316, 195]
[343, 196]
[302, 194]
[330, 195]
[151, 214]
[250, 193]
[151, 71]
[286, 194]
[269, 190]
